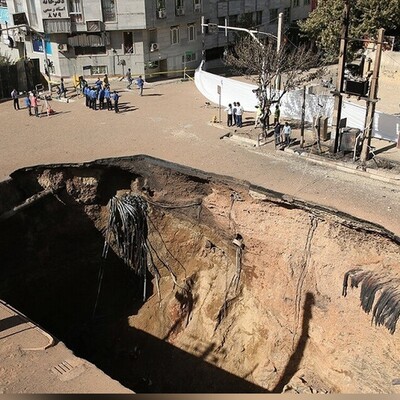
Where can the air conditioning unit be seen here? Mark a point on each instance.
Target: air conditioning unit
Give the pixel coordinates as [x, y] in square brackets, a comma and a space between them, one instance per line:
[197, 8]
[153, 46]
[162, 13]
[180, 11]
[63, 47]
[95, 26]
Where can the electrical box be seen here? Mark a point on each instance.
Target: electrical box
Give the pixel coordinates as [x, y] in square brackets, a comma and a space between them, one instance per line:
[357, 88]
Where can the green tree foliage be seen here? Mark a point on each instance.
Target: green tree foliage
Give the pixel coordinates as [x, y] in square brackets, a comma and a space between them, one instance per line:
[366, 16]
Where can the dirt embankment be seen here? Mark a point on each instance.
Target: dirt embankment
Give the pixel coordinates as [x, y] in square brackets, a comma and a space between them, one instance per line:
[266, 317]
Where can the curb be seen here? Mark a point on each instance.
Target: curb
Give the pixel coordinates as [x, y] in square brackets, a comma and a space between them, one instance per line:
[339, 166]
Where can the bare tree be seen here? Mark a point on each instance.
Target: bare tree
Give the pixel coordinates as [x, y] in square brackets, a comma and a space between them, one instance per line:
[262, 63]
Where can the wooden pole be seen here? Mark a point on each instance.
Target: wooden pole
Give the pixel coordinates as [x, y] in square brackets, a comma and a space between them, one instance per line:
[372, 98]
[337, 113]
[303, 116]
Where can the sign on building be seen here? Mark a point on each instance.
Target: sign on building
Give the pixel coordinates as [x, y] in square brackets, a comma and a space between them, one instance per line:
[54, 9]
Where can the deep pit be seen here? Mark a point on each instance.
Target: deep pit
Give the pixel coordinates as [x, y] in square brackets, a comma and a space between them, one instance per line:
[257, 305]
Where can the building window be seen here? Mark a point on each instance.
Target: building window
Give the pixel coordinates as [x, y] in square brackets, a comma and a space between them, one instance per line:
[75, 11]
[273, 16]
[189, 57]
[233, 20]
[286, 15]
[258, 19]
[179, 9]
[108, 7]
[221, 21]
[191, 32]
[174, 34]
[32, 12]
[306, 2]
[197, 5]
[128, 43]
[296, 3]
[3, 3]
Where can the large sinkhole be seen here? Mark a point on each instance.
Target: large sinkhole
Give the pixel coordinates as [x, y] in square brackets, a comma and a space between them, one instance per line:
[239, 289]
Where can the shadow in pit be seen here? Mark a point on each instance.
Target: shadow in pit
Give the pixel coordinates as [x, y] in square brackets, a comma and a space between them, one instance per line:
[51, 259]
[147, 364]
[295, 359]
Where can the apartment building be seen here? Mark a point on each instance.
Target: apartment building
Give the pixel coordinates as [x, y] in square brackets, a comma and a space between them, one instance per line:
[89, 37]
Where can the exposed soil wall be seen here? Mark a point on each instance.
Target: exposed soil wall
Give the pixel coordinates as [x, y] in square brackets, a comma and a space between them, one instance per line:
[287, 327]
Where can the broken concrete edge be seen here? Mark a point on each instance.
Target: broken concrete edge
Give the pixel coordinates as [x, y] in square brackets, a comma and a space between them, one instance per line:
[52, 340]
[128, 163]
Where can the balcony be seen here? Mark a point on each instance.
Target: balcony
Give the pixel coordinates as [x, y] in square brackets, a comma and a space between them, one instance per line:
[57, 25]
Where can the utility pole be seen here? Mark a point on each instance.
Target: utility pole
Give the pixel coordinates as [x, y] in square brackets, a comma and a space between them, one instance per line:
[278, 47]
[303, 115]
[372, 99]
[337, 114]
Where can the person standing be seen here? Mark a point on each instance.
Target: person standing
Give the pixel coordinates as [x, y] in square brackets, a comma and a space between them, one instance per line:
[277, 114]
[239, 115]
[234, 109]
[86, 91]
[229, 112]
[140, 83]
[287, 131]
[116, 100]
[277, 133]
[106, 81]
[107, 96]
[128, 78]
[34, 104]
[62, 88]
[14, 95]
[101, 98]
[28, 104]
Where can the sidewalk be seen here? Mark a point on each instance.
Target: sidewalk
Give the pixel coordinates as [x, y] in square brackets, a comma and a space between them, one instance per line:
[32, 361]
[384, 164]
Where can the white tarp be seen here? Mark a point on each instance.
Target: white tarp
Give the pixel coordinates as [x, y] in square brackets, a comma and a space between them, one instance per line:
[384, 126]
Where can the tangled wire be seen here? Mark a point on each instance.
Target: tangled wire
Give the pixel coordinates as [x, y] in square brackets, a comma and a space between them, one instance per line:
[386, 310]
[127, 232]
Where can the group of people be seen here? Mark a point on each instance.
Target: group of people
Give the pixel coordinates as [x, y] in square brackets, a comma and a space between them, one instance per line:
[31, 102]
[282, 133]
[139, 81]
[235, 114]
[100, 96]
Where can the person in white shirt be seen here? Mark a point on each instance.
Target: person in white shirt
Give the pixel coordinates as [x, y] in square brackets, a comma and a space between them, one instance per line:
[14, 95]
[287, 131]
[229, 112]
[239, 114]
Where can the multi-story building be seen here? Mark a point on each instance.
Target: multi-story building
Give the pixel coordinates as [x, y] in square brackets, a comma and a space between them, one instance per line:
[108, 36]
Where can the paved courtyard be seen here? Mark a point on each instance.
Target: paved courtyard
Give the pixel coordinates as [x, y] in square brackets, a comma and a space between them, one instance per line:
[172, 121]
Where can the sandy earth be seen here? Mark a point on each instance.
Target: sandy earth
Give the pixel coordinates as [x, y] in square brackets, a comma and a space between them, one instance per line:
[171, 121]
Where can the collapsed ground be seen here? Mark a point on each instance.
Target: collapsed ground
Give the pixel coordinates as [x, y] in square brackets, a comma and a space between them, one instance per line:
[284, 327]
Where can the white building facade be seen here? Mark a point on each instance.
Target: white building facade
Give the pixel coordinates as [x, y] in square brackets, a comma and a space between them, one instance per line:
[90, 37]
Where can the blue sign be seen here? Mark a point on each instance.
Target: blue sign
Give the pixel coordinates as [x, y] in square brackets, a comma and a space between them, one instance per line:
[37, 43]
[4, 15]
